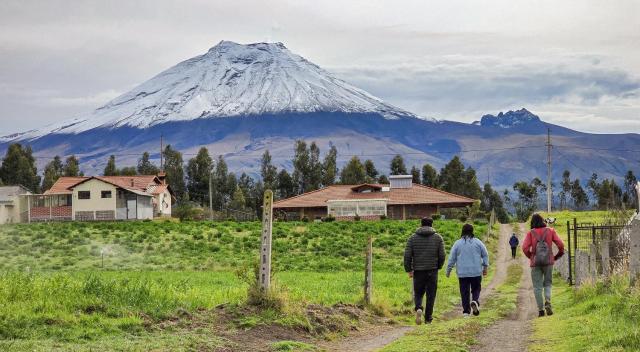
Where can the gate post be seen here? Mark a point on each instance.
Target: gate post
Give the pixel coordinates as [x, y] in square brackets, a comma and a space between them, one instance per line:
[569, 250]
[582, 267]
[634, 252]
[606, 261]
[593, 261]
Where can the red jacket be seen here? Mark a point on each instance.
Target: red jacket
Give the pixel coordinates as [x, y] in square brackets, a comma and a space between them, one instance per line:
[529, 244]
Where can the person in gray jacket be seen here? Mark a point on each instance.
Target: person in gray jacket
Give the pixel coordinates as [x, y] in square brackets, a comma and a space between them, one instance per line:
[423, 256]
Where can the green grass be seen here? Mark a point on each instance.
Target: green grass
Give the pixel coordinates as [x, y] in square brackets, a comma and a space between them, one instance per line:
[598, 317]
[584, 217]
[459, 334]
[56, 294]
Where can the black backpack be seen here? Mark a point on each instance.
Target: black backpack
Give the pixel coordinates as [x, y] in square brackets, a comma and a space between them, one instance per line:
[543, 255]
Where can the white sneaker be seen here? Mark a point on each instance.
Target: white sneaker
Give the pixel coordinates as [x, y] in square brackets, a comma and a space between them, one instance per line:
[418, 316]
[475, 308]
[466, 315]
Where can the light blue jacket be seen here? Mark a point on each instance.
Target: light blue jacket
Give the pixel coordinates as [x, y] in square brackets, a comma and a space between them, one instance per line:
[469, 256]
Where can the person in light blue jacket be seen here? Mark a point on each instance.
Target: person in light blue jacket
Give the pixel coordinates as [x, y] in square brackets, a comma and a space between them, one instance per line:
[471, 259]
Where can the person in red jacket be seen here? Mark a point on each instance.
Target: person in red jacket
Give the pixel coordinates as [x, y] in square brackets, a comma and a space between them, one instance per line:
[538, 247]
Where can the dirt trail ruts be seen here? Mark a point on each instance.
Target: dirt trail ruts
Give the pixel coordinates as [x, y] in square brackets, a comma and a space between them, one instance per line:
[512, 333]
[373, 341]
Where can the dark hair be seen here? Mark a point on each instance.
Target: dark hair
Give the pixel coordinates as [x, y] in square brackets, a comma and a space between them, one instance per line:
[467, 230]
[537, 221]
[426, 222]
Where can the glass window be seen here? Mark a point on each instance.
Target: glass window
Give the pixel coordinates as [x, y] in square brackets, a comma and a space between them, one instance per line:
[106, 194]
[84, 194]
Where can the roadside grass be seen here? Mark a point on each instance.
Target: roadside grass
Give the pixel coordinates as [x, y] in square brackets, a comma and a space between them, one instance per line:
[459, 334]
[601, 316]
[56, 294]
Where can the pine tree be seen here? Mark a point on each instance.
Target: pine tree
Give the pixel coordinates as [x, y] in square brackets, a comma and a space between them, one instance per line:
[353, 173]
[429, 176]
[246, 184]
[268, 172]
[371, 171]
[146, 167]
[383, 180]
[52, 172]
[237, 200]
[397, 166]
[72, 167]
[111, 169]
[19, 168]
[491, 200]
[329, 167]
[286, 186]
[221, 192]
[415, 175]
[315, 168]
[127, 171]
[175, 171]
[198, 173]
[301, 160]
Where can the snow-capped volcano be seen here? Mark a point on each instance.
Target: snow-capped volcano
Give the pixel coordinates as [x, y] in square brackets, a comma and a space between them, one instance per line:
[230, 79]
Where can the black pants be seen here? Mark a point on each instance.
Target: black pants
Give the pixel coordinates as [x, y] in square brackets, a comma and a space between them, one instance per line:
[513, 252]
[425, 282]
[470, 291]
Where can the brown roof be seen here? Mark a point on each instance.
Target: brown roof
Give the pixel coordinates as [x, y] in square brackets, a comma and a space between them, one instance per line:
[418, 194]
[140, 183]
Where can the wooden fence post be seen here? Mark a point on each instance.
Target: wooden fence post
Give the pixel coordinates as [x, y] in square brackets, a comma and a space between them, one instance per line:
[368, 267]
[265, 250]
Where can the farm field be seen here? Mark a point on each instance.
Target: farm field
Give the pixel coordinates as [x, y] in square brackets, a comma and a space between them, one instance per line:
[90, 285]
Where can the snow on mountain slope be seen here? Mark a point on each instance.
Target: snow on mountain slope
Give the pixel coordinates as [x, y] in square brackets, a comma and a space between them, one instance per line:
[229, 80]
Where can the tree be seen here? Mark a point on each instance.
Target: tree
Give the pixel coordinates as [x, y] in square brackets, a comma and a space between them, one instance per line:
[221, 191]
[111, 169]
[630, 196]
[246, 184]
[415, 175]
[566, 189]
[268, 172]
[286, 187]
[315, 168]
[579, 196]
[609, 195]
[72, 167]
[397, 166]
[383, 180]
[429, 176]
[593, 186]
[199, 170]
[527, 199]
[127, 171]
[301, 166]
[175, 171]
[353, 173]
[371, 171]
[329, 167]
[19, 168]
[454, 178]
[237, 200]
[491, 201]
[52, 172]
[146, 167]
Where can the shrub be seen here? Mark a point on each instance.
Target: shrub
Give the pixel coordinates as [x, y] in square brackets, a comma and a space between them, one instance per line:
[305, 219]
[436, 216]
[383, 217]
[356, 218]
[329, 218]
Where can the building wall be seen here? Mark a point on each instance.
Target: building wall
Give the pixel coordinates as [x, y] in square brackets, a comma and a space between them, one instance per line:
[407, 212]
[83, 207]
[145, 207]
[163, 200]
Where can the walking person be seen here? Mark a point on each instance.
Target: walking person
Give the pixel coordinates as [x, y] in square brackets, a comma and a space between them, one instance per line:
[537, 246]
[423, 256]
[471, 259]
[513, 243]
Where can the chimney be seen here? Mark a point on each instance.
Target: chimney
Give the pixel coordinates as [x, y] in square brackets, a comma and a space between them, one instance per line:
[162, 176]
[400, 181]
[132, 183]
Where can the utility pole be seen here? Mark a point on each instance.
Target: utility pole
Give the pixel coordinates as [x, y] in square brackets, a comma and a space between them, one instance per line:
[161, 156]
[549, 195]
[210, 197]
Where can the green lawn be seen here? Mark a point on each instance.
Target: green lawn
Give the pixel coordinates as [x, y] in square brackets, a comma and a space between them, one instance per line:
[57, 293]
[598, 317]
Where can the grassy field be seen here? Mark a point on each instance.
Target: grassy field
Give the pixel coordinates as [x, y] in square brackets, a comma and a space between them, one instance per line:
[86, 286]
[585, 217]
[598, 317]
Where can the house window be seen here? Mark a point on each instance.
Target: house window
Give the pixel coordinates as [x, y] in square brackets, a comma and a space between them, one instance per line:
[84, 194]
[105, 194]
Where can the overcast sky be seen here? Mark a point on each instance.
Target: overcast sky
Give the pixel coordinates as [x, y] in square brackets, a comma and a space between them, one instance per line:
[574, 63]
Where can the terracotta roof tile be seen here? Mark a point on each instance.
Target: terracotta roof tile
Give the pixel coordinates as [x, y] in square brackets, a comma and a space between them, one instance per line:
[418, 194]
[135, 183]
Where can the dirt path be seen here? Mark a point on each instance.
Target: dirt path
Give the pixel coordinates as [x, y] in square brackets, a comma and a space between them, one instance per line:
[373, 341]
[512, 333]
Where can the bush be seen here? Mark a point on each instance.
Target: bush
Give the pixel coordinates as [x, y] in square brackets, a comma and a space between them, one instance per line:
[436, 216]
[356, 218]
[329, 218]
[305, 219]
[383, 217]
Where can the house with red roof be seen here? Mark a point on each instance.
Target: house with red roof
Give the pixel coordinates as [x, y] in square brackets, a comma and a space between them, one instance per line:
[400, 199]
[103, 198]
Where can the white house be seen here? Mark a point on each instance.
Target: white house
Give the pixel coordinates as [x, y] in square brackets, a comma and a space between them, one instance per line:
[11, 203]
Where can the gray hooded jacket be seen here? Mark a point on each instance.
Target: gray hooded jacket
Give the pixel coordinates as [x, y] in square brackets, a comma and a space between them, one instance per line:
[424, 251]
